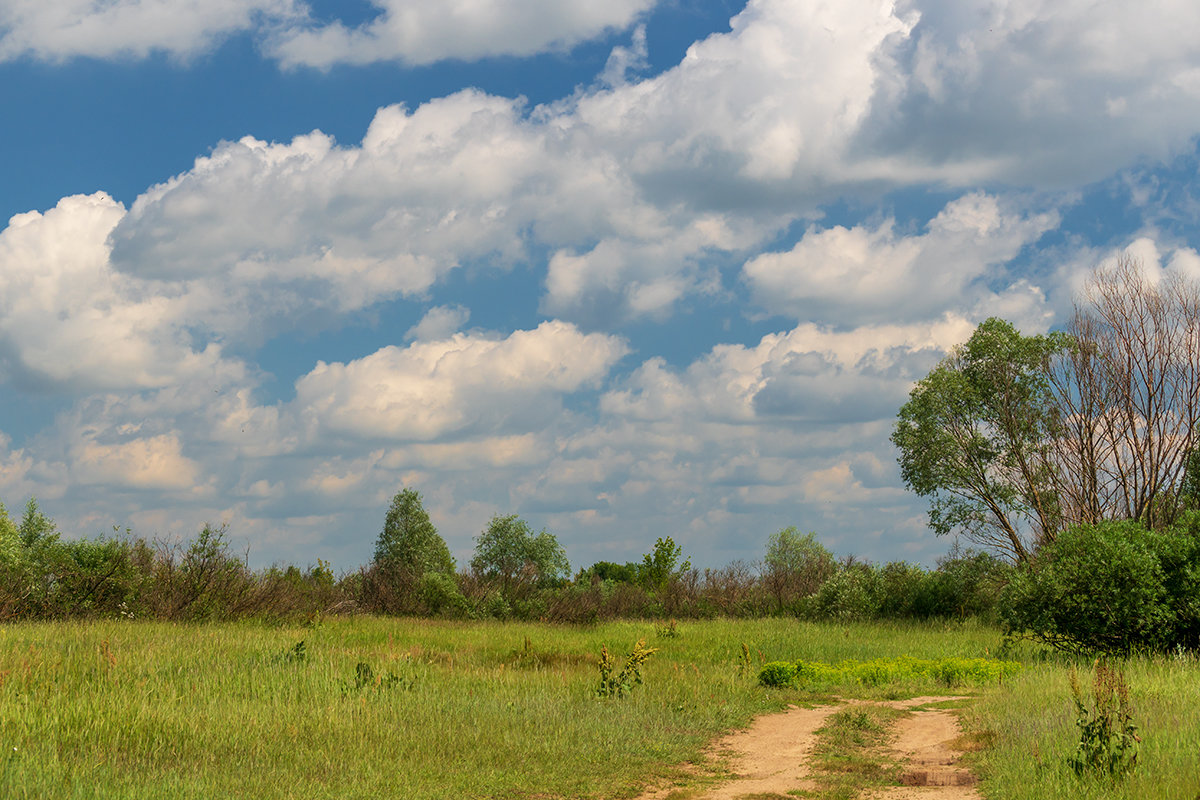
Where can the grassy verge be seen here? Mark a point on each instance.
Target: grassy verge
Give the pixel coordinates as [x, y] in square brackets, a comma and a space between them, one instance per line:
[849, 757]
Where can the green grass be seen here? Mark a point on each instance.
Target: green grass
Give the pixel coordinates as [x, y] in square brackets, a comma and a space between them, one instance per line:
[125, 709]
[849, 757]
[1030, 731]
[120, 709]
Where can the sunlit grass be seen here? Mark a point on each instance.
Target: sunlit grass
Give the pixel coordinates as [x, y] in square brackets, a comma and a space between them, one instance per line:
[500, 710]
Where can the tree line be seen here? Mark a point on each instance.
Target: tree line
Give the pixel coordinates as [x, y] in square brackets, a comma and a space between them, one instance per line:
[514, 573]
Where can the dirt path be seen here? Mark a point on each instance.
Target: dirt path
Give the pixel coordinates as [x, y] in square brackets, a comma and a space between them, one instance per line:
[932, 768]
[770, 758]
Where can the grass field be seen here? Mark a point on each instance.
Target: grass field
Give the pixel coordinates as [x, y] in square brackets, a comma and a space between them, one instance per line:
[369, 707]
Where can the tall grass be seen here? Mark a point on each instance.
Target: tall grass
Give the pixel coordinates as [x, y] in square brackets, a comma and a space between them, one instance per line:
[120, 709]
[134, 709]
[1034, 722]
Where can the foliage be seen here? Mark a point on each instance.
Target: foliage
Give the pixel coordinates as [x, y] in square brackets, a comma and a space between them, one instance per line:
[974, 437]
[662, 565]
[440, 596]
[409, 542]
[412, 562]
[1108, 740]
[1113, 587]
[795, 566]
[508, 552]
[614, 683]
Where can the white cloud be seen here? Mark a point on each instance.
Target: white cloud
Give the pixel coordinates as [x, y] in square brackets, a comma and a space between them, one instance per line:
[463, 384]
[155, 462]
[846, 276]
[57, 30]
[439, 322]
[421, 32]
[68, 319]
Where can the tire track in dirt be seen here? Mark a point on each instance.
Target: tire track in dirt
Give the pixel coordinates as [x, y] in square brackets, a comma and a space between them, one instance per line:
[770, 758]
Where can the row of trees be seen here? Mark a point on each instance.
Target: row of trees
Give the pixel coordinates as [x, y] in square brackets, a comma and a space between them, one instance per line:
[514, 572]
[1075, 455]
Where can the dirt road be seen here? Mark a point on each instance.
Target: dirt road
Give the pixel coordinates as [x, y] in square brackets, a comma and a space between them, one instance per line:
[770, 758]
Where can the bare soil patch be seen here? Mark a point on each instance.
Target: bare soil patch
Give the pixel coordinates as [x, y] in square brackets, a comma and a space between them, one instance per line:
[768, 759]
[771, 757]
[926, 744]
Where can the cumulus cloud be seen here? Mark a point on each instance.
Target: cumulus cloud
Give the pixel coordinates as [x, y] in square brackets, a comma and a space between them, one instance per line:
[57, 30]
[68, 319]
[439, 322]
[1017, 90]
[867, 274]
[463, 384]
[420, 32]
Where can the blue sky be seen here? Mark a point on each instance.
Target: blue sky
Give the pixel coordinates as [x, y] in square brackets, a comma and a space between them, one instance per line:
[629, 270]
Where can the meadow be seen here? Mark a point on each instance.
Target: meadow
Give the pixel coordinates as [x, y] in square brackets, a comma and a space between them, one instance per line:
[386, 707]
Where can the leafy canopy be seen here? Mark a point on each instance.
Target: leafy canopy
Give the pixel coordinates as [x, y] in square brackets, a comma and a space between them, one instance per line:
[975, 438]
[509, 551]
[409, 542]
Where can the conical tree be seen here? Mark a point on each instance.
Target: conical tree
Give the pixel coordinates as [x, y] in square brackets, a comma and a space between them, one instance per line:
[409, 545]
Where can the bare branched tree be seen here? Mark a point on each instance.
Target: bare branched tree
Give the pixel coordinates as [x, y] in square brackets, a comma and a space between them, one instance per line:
[1128, 393]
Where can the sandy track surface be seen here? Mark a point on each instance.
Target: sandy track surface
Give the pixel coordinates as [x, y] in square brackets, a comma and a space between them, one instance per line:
[932, 768]
[771, 756]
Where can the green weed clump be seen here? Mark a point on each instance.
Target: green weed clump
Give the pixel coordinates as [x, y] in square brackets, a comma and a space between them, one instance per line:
[1108, 740]
[619, 683]
[881, 671]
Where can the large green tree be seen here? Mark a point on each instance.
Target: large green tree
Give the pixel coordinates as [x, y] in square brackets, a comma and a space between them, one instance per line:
[409, 544]
[509, 552]
[976, 437]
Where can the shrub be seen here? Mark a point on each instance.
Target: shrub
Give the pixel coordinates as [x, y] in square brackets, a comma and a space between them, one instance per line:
[777, 674]
[440, 596]
[852, 593]
[1114, 587]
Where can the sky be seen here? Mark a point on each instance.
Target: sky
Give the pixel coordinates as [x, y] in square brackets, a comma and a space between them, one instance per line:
[630, 269]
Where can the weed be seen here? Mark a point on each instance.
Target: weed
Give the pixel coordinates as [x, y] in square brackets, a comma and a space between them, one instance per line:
[881, 671]
[365, 678]
[744, 661]
[668, 630]
[297, 654]
[1108, 740]
[618, 684]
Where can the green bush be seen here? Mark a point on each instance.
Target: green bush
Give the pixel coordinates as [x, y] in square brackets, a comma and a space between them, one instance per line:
[1114, 587]
[441, 596]
[777, 674]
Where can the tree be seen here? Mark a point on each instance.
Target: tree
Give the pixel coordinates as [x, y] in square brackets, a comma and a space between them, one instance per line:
[509, 552]
[409, 541]
[662, 564]
[795, 565]
[1128, 393]
[976, 438]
